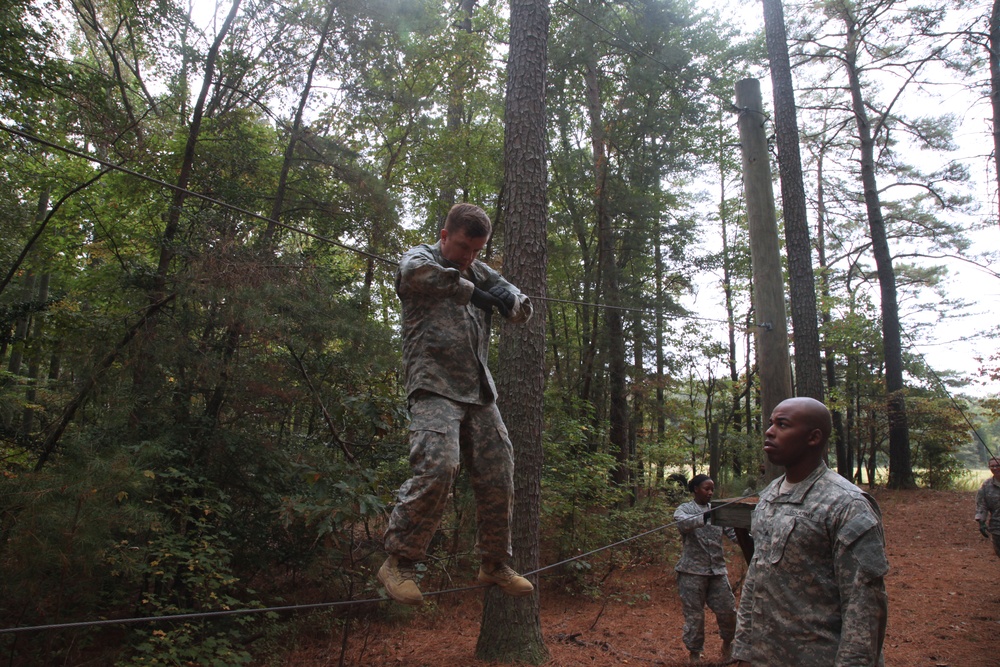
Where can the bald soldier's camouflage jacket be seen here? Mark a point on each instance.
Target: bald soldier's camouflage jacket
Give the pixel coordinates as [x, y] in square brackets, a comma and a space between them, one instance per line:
[446, 339]
[815, 590]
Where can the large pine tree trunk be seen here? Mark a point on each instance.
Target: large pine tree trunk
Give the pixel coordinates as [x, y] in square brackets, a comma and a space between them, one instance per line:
[511, 629]
[829, 353]
[900, 464]
[661, 408]
[995, 90]
[802, 291]
[614, 333]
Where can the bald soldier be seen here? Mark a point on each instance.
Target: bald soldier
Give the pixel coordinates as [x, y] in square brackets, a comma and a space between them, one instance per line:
[815, 590]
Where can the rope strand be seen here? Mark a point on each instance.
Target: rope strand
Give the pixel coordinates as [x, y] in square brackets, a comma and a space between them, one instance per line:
[325, 605]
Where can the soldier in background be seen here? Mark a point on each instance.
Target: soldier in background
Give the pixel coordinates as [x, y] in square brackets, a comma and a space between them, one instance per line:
[815, 590]
[448, 298]
[702, 578]
[988, 506]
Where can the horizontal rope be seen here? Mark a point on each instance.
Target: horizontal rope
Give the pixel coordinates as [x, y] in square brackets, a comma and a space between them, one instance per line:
[292, 228]
[324, 605]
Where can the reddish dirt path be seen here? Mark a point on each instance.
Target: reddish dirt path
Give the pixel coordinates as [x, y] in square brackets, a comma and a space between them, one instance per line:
[944, 606]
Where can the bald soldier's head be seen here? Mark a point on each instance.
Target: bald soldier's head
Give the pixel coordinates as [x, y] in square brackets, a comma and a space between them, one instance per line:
[796, 438]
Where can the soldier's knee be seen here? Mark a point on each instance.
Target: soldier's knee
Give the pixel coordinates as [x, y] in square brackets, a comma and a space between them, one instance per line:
[443, 471]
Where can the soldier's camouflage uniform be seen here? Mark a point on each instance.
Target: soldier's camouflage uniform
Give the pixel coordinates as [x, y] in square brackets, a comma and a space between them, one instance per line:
[988, 509]
[815, 590]
[702, 577]
[452, 400]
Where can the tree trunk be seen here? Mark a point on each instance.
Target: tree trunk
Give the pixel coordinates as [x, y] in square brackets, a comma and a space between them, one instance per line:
[21, 329]
[661, 417]
[296, 130]
[638, 403]
[727, 288]
[802, 291]
[900, 464]
[142, 372]
[829, 353]
[170, 230]
[34, 361]
[511, 629]
[618, 409]
[994, 55]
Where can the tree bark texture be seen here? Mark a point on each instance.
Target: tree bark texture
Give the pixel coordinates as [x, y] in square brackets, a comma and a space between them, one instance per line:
[994, 46]
[771, 330]
[900, 464]
[801, 288]
[511, 629]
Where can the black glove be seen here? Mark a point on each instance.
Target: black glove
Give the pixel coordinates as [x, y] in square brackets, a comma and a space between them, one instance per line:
[505, 295]
[982, 529]
[485, 301]
[706, 516]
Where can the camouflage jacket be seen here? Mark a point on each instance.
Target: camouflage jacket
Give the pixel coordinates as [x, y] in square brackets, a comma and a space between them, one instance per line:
[815, 590]
[988, 505]
[445, 338]
[702, 552]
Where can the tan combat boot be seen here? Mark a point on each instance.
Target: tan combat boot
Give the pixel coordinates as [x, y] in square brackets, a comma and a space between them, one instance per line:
[400, 581]
[509, 581]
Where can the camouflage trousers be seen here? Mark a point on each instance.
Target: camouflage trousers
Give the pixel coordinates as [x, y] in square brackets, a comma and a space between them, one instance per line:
[443, 434]
[696, 591]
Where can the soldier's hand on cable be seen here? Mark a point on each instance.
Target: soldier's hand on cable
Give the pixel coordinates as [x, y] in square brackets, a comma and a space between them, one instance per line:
[485, 301]
[505, 295]
[706, 516]
[982, 529]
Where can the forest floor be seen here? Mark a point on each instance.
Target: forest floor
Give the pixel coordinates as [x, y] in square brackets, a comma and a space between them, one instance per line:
[944, 607]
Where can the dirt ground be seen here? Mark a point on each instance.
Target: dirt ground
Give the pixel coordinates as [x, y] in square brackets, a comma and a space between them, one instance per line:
[944, 607]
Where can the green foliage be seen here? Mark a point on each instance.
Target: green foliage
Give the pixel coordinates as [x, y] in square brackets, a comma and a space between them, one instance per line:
[575, 484]
[191, 643]
[937, 431]
[242, 443]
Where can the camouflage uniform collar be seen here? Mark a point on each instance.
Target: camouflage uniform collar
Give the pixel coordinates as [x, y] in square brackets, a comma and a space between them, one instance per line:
[798, 493]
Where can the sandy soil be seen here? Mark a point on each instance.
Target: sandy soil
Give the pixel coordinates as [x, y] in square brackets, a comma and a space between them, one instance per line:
[944, 607]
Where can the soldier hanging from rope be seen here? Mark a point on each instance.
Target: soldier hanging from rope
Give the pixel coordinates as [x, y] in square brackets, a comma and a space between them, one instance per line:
[448, 298]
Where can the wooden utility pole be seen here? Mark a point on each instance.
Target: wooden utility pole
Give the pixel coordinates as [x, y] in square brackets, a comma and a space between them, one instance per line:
[771, 327]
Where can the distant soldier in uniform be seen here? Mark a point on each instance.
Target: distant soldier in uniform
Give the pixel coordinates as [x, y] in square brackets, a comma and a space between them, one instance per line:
[702, 577]
[448, 297]
[988, 506]
[815, 590]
